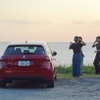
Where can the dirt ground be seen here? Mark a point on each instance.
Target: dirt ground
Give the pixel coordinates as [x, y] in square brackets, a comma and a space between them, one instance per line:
[67, 89]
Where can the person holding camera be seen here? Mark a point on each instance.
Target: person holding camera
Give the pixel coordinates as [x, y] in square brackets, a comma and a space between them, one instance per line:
[97, 57]
[77, 56]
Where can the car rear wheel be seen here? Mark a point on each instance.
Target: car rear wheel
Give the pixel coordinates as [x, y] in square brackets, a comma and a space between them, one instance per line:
[50, 84]
[55, 77]
[55, 74]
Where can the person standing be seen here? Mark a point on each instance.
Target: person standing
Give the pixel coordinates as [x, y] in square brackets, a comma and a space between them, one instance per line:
[97, 57]
[82, 55]
[76, 61]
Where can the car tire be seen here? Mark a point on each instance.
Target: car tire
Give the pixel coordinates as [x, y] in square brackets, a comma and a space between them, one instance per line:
[2, 84]
[55, 77]
[50, 84]
[55, 74]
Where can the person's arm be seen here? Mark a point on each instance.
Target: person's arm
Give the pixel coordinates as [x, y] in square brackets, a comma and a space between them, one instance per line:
[94, 44]
[97, 51]
[70, 46]
[83, 43]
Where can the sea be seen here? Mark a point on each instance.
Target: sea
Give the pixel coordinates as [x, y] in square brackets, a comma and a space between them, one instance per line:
[64, 55]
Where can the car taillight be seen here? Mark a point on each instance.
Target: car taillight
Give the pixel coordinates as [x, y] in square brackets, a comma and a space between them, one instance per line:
[46, 63]
[2, 63]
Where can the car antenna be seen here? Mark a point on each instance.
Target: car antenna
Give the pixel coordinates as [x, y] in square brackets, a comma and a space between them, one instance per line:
[25, 41]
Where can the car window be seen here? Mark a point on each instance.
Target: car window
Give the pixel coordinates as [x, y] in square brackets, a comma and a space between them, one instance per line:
[30, 49]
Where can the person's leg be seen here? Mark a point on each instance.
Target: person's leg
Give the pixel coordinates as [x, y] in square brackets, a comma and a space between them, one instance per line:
[73, 66]
[99, 63]
[78, 65]
[96, 64]
[81, 64]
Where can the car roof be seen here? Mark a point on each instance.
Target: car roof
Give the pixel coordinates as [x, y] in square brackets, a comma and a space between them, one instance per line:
[28, 43]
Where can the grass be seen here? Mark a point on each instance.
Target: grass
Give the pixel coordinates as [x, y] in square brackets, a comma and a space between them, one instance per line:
[64, 76]
[66, 72]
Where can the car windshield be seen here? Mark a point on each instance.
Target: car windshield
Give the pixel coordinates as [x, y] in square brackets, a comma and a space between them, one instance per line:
[30, 49]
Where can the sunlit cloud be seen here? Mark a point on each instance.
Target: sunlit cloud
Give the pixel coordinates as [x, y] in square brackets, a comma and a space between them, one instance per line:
[24, 22]
[78, 22]
[97, 22]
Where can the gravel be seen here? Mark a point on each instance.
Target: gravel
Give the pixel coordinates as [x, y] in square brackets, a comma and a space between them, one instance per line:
[68, 89]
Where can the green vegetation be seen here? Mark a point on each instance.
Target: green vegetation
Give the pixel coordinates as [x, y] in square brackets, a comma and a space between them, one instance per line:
[66, 72]
[68, 69]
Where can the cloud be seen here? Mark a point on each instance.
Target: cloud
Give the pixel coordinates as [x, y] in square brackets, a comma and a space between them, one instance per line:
[77, 22]
[24, 22]
[97, 22]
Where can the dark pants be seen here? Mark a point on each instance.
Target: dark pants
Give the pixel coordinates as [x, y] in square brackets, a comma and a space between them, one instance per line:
[82, 59]
[97, 63]
[76, 65]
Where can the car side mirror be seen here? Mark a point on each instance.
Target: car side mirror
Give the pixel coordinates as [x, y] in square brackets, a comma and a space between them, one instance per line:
[54, 53]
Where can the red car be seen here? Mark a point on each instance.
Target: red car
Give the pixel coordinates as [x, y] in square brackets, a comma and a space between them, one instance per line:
[27, 61]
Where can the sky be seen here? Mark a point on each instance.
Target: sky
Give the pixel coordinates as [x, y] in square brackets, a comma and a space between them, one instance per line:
[49, 20]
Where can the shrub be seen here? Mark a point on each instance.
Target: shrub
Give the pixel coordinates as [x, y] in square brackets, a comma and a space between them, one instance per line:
[68, 69]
